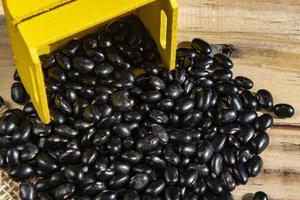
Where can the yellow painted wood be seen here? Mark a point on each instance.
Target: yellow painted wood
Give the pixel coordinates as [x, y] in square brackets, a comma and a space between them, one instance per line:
[48, 25]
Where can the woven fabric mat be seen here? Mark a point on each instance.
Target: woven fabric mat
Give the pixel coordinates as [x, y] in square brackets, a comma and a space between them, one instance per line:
[9, 189]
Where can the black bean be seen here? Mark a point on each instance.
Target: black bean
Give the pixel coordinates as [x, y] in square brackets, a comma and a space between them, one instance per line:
[227, 88]
[93, 188]
[173, 91]
[184, 105]
[236, 102]
[158, 116]
[18, 93]
[201, 46]
[46, 163]
[47, 60]
[131, 156]
[106, 195]
[215, 185]
[249, 100]
[64, 191]
[179, 136]
[260, 196]
[204, 62]
[254, 166]
[263, 122]
[22, 135]
[229, 156]
[246, 133]
[89, 156]
[70, 156]
[21, 172]
[203, 99]
[139, 181]
[260, 142]
[228, 181]
[283, 110]
[151, 96]
[8, 124]
[62, 104]
[26, 191]
[226, 115]
[118, 181]
[223, 61]
[247, 117]
[74, 173]
[240, 174]
[219, 142]
[165, 104]
[29, 152]
[243, 82]
[171, 193]
[189, 177]
[120, 100]
[264, 99]
[216, 164]
[205, 151]
[131, 195]
[155, 188]
[221, 75]
[243, 155]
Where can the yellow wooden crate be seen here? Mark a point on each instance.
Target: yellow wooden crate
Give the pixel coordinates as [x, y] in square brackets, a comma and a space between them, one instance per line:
[37, 27]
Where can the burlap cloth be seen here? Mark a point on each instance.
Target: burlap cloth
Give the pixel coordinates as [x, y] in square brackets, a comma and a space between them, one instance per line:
[9, 189]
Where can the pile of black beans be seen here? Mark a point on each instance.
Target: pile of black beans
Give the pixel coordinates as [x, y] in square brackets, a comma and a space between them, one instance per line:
[190, 133]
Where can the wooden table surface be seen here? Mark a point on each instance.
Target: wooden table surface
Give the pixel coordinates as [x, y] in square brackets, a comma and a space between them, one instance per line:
[265, 35]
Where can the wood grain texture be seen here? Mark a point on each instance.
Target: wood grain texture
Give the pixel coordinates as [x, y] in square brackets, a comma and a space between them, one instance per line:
[265, 36]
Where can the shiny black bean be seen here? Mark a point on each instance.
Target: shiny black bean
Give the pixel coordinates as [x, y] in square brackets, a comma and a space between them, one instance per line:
[47, 60]
[254, 166]
[18, 93]
[260, 196]
[221, 75]
[173, 91]
[179, 75]
[236, 102]
[46, 163]
[73, 173]
[203, 99]
[113, 56]
[131, 195]
[21, 172]
[106, 195]
[216, 164]
[219, 142]
[225, 196]
[139, 181]
[205, 151]
[204, 62]
[62, 104]
[247, 117]
[94, 188]
[263, 122]
[29, 152]
[22, 135]
[189, 177]
[70, 156]
[264, 99]
[229, 156]
[184, 105]
[13, 157]
[283, 110]
[201, 46]
[260, 142]
[101, 137]
[158, 116]
[243, 155]
[223, 61]
[65, 131]
[155, 188]
[43, 185]
[240, 174]
[226, 116]
[227, 88]
[215, 185]
[249, 100]
[64, 191]
[27, 191]
[246, 133]
[179, 136]
[131, 156]
[171, 175]
[8, 124]
[243, 82]
[228, 181]
[120, 101]
[171, 193]
[89, 156]
[118, 181]
[185, 52]
[151, 96]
